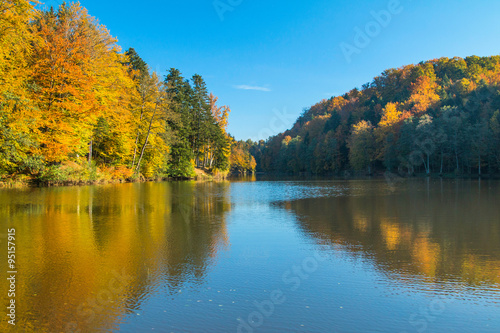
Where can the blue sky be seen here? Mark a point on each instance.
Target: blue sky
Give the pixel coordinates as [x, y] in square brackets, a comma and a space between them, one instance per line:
[268, 60]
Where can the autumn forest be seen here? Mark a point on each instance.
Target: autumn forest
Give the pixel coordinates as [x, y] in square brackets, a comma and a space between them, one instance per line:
[74, 108]
[437, 117]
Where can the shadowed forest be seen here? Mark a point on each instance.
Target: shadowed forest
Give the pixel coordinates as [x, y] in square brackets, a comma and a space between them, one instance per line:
[440, 116]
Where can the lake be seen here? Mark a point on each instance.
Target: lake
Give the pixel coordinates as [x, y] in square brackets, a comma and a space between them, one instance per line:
[387, 255]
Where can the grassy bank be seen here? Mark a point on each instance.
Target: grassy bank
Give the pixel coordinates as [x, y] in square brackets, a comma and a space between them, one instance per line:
[76, 174]
[70, 173]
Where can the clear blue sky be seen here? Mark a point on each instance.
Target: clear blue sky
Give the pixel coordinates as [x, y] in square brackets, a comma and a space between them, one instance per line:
[265, 58]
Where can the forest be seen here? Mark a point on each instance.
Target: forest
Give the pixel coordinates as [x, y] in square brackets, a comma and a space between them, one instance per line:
[436, 117]
[74, 108]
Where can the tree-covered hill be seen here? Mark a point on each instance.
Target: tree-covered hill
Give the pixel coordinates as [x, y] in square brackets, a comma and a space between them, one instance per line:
[439, 116]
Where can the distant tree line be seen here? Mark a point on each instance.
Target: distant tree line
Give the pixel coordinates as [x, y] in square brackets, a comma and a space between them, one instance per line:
[440, 116]
[241, 159]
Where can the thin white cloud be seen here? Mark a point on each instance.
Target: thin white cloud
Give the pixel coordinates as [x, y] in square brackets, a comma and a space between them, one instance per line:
[246, 87]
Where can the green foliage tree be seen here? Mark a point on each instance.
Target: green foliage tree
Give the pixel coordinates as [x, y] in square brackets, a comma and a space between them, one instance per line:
[361, 146]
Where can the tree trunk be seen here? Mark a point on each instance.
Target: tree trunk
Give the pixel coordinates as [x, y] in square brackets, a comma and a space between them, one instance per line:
[441, 170]
[211, 161]
[428, 164]
[479, 158]
[138, 134]
[147, 138]
[135, 149]
[90, 152]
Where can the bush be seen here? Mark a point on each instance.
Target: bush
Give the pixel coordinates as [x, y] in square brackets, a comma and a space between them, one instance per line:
[184, 169]
[65, 173]
[122, 173]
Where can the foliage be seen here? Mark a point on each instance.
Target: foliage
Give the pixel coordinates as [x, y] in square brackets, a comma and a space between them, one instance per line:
[361, 146]
[74, 108]
[241, 160]
[437, 116]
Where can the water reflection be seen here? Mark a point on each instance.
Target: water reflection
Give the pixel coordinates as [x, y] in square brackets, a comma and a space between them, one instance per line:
[439, 231]
[88, 256]
[133, 257]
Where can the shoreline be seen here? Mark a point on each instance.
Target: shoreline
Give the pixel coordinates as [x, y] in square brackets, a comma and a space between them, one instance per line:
[30, 182]
[203, 176]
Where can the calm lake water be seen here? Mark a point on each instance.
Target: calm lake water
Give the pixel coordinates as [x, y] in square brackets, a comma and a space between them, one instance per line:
[256, 256]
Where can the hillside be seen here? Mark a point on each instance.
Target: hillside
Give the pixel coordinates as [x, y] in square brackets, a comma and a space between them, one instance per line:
[439, 116]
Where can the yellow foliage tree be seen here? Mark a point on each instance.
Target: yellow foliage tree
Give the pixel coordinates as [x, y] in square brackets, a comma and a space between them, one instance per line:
[15, 39]
[82, 88]
[391, 115]
[63, 86]
[16, 137]
[424, 95]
